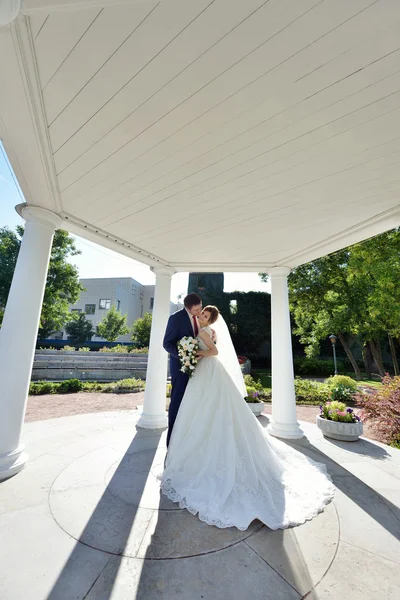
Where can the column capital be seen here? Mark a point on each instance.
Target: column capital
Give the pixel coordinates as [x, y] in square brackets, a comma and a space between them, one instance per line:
[163, 270]
[279, 272]
[9, 10]
[37, 214]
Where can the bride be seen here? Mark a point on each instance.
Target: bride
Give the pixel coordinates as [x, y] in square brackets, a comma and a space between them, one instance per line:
[221, 464]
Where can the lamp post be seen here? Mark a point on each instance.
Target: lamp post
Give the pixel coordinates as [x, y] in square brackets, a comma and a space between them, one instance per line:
[333, 339]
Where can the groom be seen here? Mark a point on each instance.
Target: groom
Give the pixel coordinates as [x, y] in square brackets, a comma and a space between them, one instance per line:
[181, 324]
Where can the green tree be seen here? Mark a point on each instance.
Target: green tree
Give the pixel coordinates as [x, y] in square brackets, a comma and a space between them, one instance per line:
[353, 292]
[323, 302]
[377, 263]
[79, 329]
[141, 331]
[62, 285]
[112, 325]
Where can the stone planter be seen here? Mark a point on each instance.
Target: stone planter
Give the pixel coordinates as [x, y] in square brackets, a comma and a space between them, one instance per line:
[346, 432]
[256, 407]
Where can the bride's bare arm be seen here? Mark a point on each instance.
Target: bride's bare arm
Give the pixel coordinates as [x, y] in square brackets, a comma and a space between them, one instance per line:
[212, 348]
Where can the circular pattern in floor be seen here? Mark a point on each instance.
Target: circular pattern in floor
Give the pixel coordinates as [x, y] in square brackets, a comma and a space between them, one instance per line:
[113, 503]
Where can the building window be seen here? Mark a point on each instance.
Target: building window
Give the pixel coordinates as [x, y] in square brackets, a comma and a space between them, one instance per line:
[90, 309]
[151, 303]
[133, 289]
[118, 304]
[105, 304]
[76, 310]
[141, 311]
[141, 295]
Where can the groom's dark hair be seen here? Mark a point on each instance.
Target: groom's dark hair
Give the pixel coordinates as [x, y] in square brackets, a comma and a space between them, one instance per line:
[191, 300]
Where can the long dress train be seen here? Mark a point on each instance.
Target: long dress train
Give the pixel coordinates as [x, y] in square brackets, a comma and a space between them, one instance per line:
[223, 466]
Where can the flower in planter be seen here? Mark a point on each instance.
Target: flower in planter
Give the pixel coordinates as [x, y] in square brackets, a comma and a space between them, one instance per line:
[337, 411]
[253, 398]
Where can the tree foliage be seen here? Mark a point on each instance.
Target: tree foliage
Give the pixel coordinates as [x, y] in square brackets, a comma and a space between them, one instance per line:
[79, 329]
[62, 285]
[141, 331]
[112, 325]
[354, 291]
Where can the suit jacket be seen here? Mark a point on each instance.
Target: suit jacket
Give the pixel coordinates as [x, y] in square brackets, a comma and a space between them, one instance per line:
[179, 326]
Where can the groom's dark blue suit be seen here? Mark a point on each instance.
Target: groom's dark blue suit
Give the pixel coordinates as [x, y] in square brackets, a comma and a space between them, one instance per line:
[179, 326]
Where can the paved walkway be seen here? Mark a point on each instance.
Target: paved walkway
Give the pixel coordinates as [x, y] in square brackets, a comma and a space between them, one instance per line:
[85, 520]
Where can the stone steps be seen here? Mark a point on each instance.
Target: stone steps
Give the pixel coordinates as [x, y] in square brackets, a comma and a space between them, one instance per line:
[56, 365]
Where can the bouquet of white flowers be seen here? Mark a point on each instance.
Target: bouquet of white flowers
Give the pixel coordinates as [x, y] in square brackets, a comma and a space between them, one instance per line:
[187, 350]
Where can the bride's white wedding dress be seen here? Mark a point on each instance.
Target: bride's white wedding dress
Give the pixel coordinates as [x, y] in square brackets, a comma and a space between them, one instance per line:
[223, 466]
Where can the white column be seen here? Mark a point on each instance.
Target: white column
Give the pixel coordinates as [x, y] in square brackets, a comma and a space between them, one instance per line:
[154, 415]
[284, 421]
[18, 332]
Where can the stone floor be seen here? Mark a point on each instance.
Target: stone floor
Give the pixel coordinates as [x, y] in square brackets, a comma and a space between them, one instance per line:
[85, 520]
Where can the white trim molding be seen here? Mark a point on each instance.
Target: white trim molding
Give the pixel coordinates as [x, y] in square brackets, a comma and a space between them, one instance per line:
[32, 7]
[24, 48]
[108, 240]
[9, 10]
[163, 271]
[220, 267]
[37, 214]
[353, 235]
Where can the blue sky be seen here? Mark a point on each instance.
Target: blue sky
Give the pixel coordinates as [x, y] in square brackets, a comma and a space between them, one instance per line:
[96, 261]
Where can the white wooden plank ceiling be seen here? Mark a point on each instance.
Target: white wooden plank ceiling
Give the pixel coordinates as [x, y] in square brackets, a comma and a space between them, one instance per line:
[209, 132]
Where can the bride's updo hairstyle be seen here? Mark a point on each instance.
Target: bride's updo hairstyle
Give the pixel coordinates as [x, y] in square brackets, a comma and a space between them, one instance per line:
[214, 313]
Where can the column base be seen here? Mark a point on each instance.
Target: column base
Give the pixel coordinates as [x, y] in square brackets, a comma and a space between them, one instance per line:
[286, 431]
[148, 421]
[12, 462]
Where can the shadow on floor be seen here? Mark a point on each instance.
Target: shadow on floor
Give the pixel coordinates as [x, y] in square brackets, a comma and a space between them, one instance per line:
[118, 525]
[350, 485]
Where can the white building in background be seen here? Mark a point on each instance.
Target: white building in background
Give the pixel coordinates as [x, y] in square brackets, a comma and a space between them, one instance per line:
[129, 296]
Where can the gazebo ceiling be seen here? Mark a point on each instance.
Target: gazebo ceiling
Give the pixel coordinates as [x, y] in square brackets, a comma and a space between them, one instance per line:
[207, 135]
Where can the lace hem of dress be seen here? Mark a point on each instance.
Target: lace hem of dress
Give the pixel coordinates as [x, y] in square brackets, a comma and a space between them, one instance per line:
[307, 514]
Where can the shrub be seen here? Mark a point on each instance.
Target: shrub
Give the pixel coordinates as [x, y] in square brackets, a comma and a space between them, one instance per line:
[396, 442]
[250, 390]
[144, 350]
[84, 349]
[169, 388]
[311, 392]
[68, 348]
[75, 385]
[118, 348]
[341, 393]
[382, 408]
[343, 380]
[39, 388]
[92, 386]
[124, 386]
[315, 366]
[337, 411]
[250, 382]
[70, 386]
